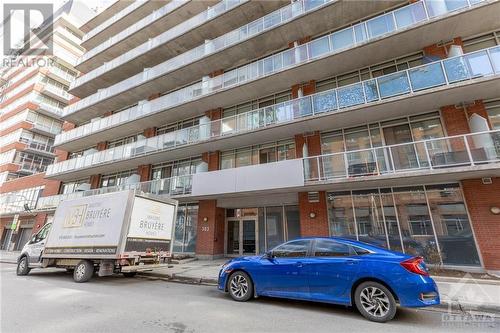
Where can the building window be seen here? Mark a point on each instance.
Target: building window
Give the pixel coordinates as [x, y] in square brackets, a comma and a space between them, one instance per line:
[493, 110]
[115, 179]
[259, 154]
[429, 221]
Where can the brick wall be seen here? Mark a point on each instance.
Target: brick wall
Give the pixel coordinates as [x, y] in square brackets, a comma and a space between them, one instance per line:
[210, 233]
[150, 132]
[144, 171]
[441, 51]
[480, 198]
[212, 159]
[317, 226]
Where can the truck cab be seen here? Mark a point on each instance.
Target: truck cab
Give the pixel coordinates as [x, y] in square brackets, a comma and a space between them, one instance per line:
[32, 251]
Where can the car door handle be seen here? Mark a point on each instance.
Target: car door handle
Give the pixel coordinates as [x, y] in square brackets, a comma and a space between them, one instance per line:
[351, 262]
[299, 264]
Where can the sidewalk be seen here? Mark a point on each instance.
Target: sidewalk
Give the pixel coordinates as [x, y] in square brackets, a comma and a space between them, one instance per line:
[459, 294]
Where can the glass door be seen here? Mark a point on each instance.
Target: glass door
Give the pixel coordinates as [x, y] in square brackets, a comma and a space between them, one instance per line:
[404, 156]
[241, 237]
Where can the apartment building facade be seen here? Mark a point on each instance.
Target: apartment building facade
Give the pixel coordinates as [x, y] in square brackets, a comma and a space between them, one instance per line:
[272, 120]
[34, 93]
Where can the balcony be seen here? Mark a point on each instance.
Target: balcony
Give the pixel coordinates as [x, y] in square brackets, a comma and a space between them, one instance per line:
[444, 159]
[268, 33]
[120, 21]
[321, 58]
[38, 147]
[170, 16]
[30, 168]
[62, 76]
[45, 129]
[57, 92]
[173, 187]
[427, 87]
[473, 155]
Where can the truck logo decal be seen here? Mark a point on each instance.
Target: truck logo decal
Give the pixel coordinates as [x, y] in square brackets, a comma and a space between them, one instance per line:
[74, 217]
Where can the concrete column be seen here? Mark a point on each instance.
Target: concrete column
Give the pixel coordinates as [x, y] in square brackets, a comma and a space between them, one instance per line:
[210, 230]
[482, 200]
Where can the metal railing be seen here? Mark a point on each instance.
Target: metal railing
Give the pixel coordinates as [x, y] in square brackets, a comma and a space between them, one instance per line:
[247, 31]
[58, 91]
[394, 21]
[174, 186]
[437, 153]
[473, 65]
[52, 128]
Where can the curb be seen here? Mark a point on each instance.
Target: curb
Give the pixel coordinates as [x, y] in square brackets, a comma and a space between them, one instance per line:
[178, 278]
[8, 261]
[465, 307]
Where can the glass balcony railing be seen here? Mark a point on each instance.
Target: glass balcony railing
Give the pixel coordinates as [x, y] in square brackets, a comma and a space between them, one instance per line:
[437, 153]
[54, 128]
[441, 73]
[270, 21]
[32, 167]
[174, 186]
[363, 32]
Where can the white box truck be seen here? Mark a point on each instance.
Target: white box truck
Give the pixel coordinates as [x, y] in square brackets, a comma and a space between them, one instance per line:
[120, 232]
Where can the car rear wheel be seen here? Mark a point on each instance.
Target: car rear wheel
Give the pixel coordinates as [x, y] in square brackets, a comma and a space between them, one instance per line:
[375, 302]
[83, 271]
[240, 286]
[22, 266]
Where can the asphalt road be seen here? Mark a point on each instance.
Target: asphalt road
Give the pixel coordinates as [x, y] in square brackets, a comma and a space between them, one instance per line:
[49, 301]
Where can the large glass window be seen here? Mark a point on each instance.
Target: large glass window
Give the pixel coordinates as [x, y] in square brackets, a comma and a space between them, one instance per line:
[429, 221]
[274, 226]
[259, 154]
[185, 228]
[494, 114]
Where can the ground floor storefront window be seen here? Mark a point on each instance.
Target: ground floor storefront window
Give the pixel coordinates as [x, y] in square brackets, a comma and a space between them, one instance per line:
[429, 220]
[185, 228]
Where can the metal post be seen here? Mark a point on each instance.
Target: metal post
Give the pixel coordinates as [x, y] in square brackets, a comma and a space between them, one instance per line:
[469, 154]
[427, 155]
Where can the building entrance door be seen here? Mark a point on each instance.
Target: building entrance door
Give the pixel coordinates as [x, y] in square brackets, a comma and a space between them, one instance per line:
[241, 236]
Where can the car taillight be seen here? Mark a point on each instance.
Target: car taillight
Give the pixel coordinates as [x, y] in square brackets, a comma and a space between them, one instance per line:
[415, 265]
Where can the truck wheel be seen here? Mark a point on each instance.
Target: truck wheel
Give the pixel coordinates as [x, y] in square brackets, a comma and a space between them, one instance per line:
[22, 266]
[83, 271]
[129, 274]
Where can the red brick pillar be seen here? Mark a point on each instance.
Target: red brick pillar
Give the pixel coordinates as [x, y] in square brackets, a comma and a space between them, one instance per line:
[215, 127]
[150, 132]
[210, 230]
[95, 181]
[144, 171]
[441, 51]
[102, 145]
[481, 199]
[313, 142]
[478, 108]
[40, 220]
[313, 214]
[455, 120]
[212, 159]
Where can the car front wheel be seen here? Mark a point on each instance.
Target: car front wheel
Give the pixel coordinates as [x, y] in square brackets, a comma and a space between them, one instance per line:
[22, 266]
[240, 286]
[375, 302]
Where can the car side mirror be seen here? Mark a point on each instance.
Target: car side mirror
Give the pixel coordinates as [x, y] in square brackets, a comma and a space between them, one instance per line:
[270, 255]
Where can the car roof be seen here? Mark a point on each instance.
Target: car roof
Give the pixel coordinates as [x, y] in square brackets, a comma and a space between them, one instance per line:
[351, 242]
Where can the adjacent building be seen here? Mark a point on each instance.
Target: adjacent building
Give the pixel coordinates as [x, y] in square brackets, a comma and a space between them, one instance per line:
[272, 120]
[33, 94]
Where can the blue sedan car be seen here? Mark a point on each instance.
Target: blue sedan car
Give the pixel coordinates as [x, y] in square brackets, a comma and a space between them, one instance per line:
[333, 270]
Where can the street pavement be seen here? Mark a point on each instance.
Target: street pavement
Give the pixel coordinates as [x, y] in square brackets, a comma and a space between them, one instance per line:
[49, 301]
